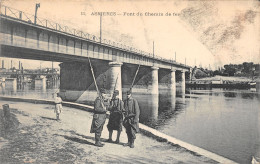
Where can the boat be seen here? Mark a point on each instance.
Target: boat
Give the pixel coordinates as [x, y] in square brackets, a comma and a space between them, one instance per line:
[252, 84]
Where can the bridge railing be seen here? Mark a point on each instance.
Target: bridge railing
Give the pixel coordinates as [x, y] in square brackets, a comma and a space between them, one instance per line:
[29, 18]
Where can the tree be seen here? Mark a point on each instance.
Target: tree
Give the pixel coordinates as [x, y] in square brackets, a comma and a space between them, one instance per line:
[247, 67]
[230, 69]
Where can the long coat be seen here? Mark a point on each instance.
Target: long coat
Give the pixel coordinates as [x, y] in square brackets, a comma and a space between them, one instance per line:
[99, 116]
[132, 113]
[116, 109]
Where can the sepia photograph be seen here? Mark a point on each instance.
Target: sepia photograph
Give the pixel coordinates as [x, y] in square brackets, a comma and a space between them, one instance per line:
[130, 81]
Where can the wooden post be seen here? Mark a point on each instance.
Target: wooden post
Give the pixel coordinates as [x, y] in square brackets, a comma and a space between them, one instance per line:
[7, 116]
[6, 111]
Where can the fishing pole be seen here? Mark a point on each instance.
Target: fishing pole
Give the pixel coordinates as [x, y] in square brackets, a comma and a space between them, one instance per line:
[93, 75]
[135, 77]
[116, 82]
[115, 86]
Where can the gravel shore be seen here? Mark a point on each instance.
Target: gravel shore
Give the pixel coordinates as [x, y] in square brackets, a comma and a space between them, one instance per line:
[34, 136]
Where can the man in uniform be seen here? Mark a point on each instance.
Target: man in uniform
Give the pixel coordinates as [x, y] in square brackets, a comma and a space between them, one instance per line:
[131, 121]
[99, 117]
[116, 109]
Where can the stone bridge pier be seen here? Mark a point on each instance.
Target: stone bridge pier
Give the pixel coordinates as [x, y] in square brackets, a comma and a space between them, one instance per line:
[173, 82]
[115, 80]
[183, 86]
[77, 83]
[154, 81]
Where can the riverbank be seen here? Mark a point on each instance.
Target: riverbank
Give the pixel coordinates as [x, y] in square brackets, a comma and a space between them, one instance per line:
[169, 141]
[37, 137]
[227, 78]
[225, 82]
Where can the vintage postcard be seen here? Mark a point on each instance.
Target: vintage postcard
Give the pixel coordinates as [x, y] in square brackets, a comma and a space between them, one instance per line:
[128, 81]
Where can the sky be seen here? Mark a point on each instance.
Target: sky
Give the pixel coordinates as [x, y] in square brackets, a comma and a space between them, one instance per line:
[206, 33]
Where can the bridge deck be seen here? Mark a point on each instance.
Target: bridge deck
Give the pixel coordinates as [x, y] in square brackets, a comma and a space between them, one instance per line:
[47, 40]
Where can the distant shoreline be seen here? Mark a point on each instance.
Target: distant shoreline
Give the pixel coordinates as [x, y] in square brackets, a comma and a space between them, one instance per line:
[229, 78]
[225, 82]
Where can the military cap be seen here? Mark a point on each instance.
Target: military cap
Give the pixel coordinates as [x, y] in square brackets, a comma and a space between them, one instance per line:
[129, 92]
[116, 92]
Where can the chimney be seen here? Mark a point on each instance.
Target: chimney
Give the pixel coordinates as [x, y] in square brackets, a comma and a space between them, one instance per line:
[22, 67]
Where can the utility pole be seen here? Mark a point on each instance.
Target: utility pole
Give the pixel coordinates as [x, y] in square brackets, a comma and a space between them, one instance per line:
[253, 70]
[100, 27]
[22, 67]
[52, 72]
[35, 16]
[153, 53]
[52, 67]
[40, 67]
[175, 56]
[185, 61]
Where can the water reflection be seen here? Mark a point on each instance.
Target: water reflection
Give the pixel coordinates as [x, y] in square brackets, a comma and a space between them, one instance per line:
[30, 90]
[40, 84]
[225, 122]
[230, 94]
[11, 85]
[249, 96]
[167, 100]
[182, 98]
[149, 104]
[172, 101]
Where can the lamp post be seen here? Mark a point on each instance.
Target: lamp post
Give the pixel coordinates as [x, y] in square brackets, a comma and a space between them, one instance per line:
[35, 16]
[153, 53]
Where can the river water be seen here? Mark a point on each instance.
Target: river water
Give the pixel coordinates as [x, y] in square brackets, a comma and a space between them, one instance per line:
[226, 122]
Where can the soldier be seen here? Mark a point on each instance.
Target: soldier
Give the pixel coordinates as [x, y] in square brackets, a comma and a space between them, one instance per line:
[131, 121]
[99, 117]
[58, 105]
[116, 109]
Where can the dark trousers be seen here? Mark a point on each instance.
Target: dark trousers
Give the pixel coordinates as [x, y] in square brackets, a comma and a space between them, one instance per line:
[98, 132]
[130, 133]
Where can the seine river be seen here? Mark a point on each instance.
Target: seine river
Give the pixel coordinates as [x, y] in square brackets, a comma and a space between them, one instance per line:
[226, 122]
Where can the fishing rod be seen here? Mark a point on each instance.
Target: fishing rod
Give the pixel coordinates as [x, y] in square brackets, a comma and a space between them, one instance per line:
[135, 77]
[93, 75]
[115, 86]
[116, 82]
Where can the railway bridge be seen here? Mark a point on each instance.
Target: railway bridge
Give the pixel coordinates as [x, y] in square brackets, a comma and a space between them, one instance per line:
[114, 64]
